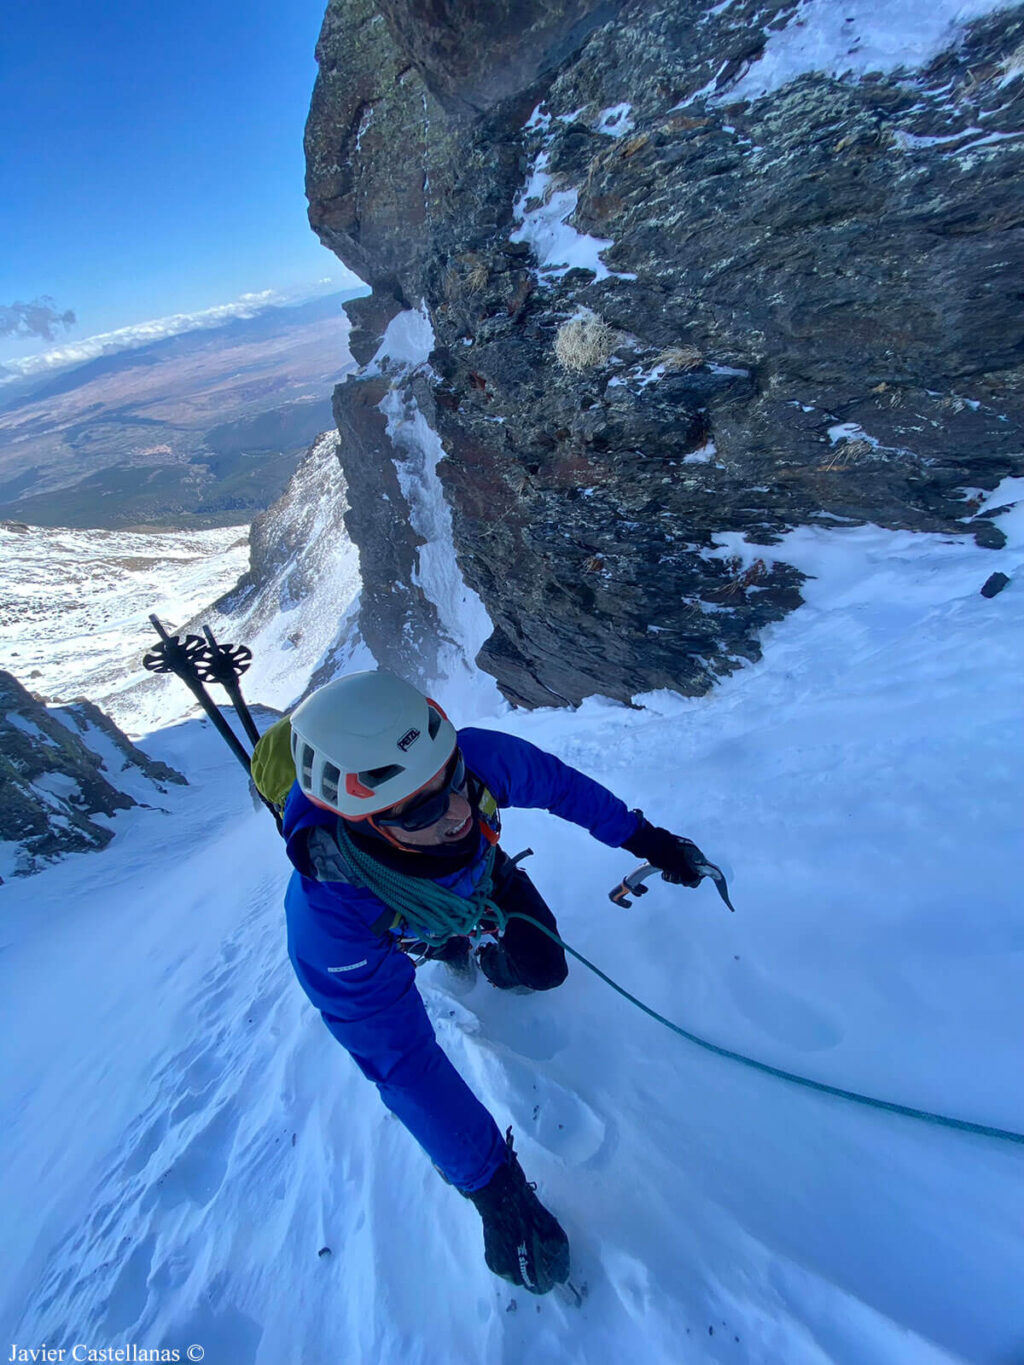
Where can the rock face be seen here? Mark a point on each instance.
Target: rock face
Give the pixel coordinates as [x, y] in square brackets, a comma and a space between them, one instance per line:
[673, 296]
[58, 769]
[299, 556]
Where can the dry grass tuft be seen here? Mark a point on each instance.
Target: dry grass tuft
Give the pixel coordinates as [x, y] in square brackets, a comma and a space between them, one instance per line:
[847, 453]
[742, 579]
[584, 342]
[680, 358]
[1013, 65]
[477, 276]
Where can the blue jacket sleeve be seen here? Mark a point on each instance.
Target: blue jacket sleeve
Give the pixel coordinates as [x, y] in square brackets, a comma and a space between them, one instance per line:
[364, 987]
[519, 774]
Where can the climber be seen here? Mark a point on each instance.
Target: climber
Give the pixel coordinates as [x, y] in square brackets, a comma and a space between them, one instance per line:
[393, 808]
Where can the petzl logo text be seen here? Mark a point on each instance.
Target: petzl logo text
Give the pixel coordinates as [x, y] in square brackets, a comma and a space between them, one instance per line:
[409, 738]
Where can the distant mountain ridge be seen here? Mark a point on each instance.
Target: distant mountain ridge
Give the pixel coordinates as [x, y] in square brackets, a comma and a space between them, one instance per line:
[272, 321]
[202, 428]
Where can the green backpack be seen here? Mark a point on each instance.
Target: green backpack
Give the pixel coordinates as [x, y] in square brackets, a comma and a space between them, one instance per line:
[272, 768]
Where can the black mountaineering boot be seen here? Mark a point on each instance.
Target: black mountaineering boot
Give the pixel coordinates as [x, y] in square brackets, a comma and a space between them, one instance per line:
[497, 967]
[455, 954]
[522, 1241]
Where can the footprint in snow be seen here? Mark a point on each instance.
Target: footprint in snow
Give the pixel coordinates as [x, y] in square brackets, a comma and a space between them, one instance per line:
[539, 1108]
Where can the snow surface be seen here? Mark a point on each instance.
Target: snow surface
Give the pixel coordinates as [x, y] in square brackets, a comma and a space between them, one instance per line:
[407, 342]
[75, 619]
[464, 624]
[542, 208]
[464, 620]
[184, 1138]
[76, 603]
[616, 121]
[309, 603]
[854, 38]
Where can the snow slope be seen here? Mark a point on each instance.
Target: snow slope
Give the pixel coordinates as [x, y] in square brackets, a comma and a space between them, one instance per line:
[299, 610]
[185, 1138]
[75, 604]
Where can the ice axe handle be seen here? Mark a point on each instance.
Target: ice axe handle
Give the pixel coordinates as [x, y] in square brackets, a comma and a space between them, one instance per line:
[633, 885]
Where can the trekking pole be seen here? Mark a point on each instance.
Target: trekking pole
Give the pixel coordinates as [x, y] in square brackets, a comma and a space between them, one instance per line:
[173, 655]
[225, 664]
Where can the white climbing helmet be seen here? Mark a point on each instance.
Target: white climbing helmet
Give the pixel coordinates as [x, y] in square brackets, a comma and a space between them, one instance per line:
[366, 741]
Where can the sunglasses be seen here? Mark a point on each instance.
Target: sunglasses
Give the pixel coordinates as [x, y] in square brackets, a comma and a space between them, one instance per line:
[427, 809]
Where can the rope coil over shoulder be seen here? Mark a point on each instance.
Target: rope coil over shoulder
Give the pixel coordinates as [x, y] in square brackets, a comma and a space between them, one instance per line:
[433, 911]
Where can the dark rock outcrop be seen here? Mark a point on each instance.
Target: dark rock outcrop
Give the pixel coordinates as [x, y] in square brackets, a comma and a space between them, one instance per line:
[58, 768]
[805, 309]
[472, 54]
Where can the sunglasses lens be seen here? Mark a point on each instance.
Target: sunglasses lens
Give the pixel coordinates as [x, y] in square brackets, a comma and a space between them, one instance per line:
[458, 777]
[427, 814]
[432, 808]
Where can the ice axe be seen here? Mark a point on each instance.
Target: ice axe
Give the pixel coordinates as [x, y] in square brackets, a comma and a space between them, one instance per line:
[633, 885]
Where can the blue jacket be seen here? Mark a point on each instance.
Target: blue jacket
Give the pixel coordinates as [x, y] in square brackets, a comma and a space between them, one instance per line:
[364, 985]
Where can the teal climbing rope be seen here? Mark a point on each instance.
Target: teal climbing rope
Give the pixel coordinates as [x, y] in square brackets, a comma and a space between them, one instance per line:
[433, 912]
[436, 914]
[890, 1106]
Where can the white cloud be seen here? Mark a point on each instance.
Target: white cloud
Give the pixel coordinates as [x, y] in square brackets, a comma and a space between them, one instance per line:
[142, 333]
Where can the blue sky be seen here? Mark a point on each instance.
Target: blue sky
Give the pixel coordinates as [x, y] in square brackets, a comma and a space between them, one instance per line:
[151, 156]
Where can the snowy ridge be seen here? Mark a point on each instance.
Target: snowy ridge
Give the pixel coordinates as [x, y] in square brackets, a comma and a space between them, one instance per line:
[302, 611]
[861, 785]
[78, 601]
[64, 774]
[75, 603]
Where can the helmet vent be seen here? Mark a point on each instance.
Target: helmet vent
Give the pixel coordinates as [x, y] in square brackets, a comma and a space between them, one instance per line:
[306, 763]
[433, 721]
[373, 777]
[329, 783]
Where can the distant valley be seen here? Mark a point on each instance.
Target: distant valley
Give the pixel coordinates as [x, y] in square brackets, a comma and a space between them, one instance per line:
[196, 430]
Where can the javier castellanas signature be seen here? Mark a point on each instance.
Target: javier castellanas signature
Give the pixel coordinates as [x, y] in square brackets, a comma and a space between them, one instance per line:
[129, 1354]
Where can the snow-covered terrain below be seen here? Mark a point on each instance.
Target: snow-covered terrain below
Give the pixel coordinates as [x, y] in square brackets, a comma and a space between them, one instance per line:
[185, 1141]
[75, 604]
[293, 613]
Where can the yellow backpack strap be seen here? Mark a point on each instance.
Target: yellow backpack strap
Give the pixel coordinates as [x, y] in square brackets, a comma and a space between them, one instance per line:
[272, 768]
[483, 799]
[486, 804]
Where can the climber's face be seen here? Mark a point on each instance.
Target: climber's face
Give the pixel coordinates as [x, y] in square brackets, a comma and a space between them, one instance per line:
[442, 803]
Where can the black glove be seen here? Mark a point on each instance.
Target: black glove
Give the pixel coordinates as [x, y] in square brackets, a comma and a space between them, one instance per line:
[675, 857]
[522, 1241]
